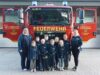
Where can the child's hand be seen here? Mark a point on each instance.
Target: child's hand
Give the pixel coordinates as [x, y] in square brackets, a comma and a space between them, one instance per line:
[20, 51]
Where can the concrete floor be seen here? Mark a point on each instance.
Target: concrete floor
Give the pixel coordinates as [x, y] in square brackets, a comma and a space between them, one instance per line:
[89, 63]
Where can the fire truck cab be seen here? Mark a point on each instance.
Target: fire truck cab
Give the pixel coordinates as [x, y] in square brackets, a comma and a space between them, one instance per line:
[49, 19]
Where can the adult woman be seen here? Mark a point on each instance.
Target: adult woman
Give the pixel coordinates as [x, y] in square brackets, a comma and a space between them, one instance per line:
[24, 43]
[76, 42]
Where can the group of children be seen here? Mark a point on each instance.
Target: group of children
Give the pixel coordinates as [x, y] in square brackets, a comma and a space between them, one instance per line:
[49, 54]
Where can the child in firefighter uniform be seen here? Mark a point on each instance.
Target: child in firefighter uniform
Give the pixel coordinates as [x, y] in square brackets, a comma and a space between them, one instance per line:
[38, 61]
[76, 43]
[46, 37]
[67, 51]
[52, 53]
[61, 53]
[44, 55]
[33, 56]
[56, 48]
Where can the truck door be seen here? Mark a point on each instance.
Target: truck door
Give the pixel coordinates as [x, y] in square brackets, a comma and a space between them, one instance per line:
[1, 21]
[86, 21]
[11, 26]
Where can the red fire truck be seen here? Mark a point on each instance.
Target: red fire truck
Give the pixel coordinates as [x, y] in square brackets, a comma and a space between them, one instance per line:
[49, 19]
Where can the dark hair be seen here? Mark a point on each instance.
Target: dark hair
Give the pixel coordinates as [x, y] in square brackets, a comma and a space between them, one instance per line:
[24, 27]
[76, 27]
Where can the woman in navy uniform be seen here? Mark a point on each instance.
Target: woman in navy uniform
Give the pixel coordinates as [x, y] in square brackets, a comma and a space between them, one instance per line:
[67, 50]
[24, 43]
[76, 43]
[52, 53]
[44, 55]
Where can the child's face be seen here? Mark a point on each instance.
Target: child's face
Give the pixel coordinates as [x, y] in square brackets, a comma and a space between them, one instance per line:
[37, 39]
[42, 41]
[52, 42]
[33, 43]
[65, 37]
[56, 39]
[46, 37]
[61, 43]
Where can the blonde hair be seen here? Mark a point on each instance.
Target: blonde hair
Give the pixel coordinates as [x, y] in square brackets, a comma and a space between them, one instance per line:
[25, 29]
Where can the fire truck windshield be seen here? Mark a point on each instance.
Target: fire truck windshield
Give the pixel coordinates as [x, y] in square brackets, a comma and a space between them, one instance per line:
[50, 16]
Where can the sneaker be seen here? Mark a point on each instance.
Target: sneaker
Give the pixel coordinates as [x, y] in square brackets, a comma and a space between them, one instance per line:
[49, 69]
[74, 68]
[53, 69]
[24, 69]
[62, 69]
[31, 70]
[34, 70]
[41, 69]
[66, 68]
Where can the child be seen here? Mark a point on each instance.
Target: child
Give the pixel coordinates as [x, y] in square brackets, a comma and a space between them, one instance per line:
[61, 55]
[67, 51]
[44, 54]
[56, 48]
[52, 55]
[38, 40]
[76, 43]
[33, 56]
[38, 61]
[46, 37]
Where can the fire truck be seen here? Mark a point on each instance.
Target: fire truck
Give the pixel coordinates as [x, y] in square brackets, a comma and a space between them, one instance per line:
[49, 19]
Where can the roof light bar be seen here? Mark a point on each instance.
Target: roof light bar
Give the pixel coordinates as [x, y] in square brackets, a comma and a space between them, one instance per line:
[65, 3]
[34, 3]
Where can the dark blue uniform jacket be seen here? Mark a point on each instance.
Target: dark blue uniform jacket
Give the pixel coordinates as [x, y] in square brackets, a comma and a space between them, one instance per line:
[76, 42]
[24, 42]
[51, 50]
[33, 53]
[43, 50]
[67, 47]
[61, 52]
